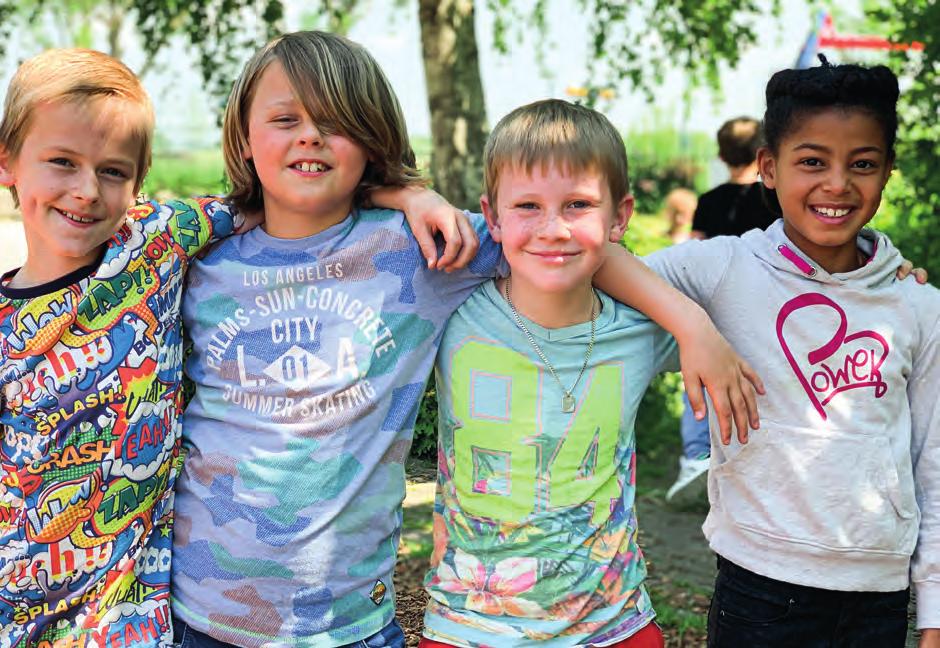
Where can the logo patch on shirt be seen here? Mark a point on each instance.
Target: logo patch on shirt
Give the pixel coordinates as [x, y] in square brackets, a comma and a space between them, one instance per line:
[378, 592]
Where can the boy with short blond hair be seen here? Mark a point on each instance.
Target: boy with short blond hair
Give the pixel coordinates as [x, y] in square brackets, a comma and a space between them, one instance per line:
[90, 360]
[539, 379]
[79, 78]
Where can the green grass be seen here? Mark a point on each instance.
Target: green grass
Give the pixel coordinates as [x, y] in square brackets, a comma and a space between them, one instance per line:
[417, 531]
[186, 174]
[680, 619]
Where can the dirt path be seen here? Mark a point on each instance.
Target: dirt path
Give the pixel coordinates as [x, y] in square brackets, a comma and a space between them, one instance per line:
[673, 540]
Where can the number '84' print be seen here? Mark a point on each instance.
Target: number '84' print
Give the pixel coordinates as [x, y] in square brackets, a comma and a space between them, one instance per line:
[515, 454]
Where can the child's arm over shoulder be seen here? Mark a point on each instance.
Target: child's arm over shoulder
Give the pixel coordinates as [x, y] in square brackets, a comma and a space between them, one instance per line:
[429, 214]
[706, 357]
[925, 455]
[192, 223]
[695, 268]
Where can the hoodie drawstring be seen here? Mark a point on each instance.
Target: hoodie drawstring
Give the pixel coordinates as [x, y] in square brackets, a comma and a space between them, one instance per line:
[797, 260]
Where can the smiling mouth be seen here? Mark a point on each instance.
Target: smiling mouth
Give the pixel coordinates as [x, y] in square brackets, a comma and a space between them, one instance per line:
[552, 254]
[310, 167]
[832, 212]
[75, 218]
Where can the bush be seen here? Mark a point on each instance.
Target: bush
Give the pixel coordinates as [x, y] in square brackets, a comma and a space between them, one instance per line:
[910, 216]
[658, 442]
[657, 422]
[425, 440]
[664, 159]
[653, 180]
[646, 234]
[911, 213]
[186, 174]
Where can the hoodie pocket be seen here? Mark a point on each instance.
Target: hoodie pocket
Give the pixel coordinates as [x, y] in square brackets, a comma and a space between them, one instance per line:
[833, 489]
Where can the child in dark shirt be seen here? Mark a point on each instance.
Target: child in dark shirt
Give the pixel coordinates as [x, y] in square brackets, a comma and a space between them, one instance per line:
[736, 206]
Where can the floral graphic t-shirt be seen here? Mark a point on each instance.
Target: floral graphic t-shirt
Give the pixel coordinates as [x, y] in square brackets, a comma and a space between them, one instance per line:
[534, 524]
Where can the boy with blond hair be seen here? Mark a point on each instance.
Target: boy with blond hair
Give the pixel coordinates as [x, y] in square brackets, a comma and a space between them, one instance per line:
[90, 360]
[539, 379]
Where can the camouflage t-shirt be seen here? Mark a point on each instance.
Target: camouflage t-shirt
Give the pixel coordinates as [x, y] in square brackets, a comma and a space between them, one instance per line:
[310, 358]
[534, 525]
[90, 404]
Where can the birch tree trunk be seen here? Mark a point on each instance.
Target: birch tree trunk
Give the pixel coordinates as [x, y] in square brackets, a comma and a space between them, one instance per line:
[455, 99]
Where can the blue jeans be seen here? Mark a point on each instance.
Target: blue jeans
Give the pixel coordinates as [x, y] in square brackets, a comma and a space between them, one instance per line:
[758, 612]
[695, 440]
[391, 636]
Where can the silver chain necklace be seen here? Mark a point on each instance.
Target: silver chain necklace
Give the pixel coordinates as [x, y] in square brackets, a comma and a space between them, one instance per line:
[567, 400]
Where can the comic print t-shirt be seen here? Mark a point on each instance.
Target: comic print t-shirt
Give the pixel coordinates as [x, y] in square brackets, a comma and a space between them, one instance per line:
[535, 533]
[90, 403]
[310, 358]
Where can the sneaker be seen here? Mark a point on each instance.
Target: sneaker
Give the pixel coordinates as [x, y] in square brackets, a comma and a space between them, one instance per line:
[689, 471]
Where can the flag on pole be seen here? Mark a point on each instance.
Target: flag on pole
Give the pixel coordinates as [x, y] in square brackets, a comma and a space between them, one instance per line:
[807, 55]
[824, 34]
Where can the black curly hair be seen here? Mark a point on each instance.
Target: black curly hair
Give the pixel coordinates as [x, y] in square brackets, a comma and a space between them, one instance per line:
[794, 94]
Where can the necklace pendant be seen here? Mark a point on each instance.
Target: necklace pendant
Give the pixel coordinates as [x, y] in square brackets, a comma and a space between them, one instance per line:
[567, 403]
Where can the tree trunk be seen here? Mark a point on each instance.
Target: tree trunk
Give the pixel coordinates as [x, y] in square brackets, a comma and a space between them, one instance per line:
[455, 98]
[115, 21]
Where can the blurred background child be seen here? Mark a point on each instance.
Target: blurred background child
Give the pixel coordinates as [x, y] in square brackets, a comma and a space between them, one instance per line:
[730, 209]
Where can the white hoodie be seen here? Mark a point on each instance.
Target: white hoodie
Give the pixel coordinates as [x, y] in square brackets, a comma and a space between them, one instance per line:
[841, 485]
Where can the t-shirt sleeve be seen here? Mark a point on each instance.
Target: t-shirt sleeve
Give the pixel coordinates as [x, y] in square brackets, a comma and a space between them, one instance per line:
[486, 264]
[191, 224]
[489, 261]
[925, 457]
[694, 268]
[665, 351]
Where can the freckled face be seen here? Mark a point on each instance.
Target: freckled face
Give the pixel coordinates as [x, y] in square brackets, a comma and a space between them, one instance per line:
[554, 224]
[829, 174]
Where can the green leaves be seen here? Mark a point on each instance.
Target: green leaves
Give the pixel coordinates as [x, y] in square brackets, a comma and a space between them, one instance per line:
[637, 42]
[223, 33]
[911, 210]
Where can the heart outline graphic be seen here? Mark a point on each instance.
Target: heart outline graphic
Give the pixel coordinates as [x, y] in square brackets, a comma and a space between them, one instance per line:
[829, 349]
